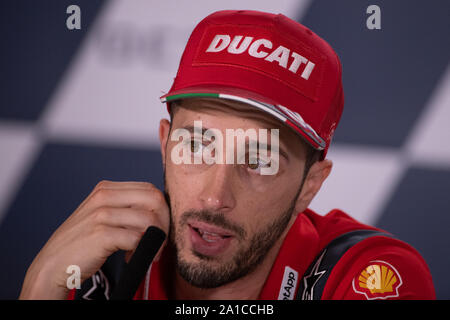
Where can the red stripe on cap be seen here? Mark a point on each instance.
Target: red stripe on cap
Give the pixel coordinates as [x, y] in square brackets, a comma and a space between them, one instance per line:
[304, 135]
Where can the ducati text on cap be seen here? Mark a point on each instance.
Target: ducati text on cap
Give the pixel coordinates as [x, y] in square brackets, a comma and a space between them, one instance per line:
[260, 48]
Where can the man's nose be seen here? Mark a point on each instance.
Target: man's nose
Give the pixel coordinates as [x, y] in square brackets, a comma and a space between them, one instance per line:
[217, 193]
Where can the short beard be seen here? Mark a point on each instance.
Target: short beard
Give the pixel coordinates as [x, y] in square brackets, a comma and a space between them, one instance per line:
[247, 259]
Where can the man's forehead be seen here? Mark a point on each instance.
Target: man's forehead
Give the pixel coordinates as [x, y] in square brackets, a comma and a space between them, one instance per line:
[241, 111]
[231, 108]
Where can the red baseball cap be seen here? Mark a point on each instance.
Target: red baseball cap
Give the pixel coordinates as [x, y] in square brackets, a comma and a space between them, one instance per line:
[270, 62]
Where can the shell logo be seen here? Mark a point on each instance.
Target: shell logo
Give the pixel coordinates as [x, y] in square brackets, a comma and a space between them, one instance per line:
[379, 280]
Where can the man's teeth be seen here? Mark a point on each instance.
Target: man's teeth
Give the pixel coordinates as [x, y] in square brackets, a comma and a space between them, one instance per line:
[209, 236]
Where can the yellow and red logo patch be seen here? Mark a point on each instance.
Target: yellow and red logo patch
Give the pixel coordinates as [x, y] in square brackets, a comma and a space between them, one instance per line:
[379, 280]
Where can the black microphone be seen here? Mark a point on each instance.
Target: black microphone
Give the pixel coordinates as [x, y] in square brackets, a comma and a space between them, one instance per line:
[135, 270]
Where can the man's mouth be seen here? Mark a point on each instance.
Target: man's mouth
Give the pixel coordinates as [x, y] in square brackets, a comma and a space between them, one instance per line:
[210, 236]
[209, 240]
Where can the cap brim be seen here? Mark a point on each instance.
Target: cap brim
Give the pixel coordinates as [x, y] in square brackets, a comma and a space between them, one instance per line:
[294, 121]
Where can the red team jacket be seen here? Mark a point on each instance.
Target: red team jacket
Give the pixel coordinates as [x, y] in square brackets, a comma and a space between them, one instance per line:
[324, 257]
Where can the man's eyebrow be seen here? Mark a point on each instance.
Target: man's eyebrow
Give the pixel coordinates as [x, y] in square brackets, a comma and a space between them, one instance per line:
[267, 146]
[191, 129]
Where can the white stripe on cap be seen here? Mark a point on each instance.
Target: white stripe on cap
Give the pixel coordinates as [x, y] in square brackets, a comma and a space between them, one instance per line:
[253, 103]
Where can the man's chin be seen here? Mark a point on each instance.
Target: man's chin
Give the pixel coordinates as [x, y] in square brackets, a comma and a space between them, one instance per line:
[198, 260]
[198, 257]
[205, 272]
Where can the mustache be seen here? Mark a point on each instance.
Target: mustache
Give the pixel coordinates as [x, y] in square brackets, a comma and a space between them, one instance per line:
[215, 218]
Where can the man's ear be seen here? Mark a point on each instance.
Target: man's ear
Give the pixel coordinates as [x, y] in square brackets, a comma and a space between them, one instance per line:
[164, 131]
[316, 175]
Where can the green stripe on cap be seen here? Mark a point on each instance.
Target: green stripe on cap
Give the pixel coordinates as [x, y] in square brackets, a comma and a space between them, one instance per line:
[190, 95]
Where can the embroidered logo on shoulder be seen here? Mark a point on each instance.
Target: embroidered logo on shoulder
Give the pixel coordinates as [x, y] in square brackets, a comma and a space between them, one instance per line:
[379, 280]
[99, 287]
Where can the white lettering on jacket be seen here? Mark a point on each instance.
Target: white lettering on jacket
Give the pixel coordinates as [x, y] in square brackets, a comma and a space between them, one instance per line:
[288, 284]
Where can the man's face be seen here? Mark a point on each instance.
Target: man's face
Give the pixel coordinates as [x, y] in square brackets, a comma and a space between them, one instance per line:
[225, 218]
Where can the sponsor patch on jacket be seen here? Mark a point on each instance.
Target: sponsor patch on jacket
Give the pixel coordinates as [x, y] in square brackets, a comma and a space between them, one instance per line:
[379, 280]
[289, 284]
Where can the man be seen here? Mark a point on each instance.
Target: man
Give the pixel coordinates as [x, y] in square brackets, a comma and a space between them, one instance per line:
[240, 228]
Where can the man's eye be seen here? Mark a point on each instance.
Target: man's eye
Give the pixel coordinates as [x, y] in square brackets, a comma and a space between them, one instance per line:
[253, 166]
[256, 164]
[195, 146]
